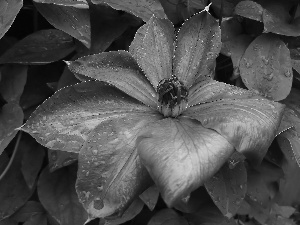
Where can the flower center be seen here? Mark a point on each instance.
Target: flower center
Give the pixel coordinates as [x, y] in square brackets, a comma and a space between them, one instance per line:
[172, 97]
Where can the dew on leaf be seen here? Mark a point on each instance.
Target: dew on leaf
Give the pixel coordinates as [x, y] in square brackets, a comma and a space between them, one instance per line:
[95, 152]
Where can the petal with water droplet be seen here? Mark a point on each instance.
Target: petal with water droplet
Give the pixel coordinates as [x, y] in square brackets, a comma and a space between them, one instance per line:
[180, 155]
[198, 45]
[249, 124]
[116, 167]
[119, 69]
[64, 121]
[153, 48]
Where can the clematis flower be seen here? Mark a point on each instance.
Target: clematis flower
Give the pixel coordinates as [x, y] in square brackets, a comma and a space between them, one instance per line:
[157, 111]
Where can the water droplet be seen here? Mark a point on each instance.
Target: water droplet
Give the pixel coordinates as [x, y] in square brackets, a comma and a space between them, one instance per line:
[269, 77]
[288, 73]
[87, 173]
[95, 152]
[186, 198]
[100, 188]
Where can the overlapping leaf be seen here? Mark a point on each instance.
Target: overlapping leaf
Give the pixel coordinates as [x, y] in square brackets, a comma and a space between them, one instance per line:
[229, 185]
[181, 155]
[150, 197]
[73, 21]
[41, 47]
[140, 8]
[57, 194]
[167, 217]
[8, 11]
[266, 67]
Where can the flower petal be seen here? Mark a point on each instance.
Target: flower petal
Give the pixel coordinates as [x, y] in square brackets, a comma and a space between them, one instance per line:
[250, 125]
[153, 48]
[209, 91]
[119, 69]
[180, 155]
[64, 121]
[110, 174]
[198, 45]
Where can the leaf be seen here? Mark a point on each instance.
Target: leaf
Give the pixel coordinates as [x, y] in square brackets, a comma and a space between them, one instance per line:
[277, 19]
[31, 213]
[71, 20]
[167, 217]
[8, 221]
[198, 45]
[33, 158]
[150, 197]
[224, 8]
[13, 80]
[153, 48]
[59, 159]
[140, 8]
[119, 69]
[248, 121]
[11, 117]
[66, 79]
[107, 25]
[64, 121]
[81, 4]
[180, 155]
[209, 214]
[41, 47]
[14, 191]
[261, 184]
[198, 4]
[194, 202]
[228, 186]
[110, 175]
[133, 210]
[289, 191]
[250, 10]
[266, 67]
[8, 11]
[57, 194]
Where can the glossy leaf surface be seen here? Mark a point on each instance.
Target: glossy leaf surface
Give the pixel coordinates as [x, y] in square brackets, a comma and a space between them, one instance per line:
[229, 185]
[181, 155]
[153, 47]
[198, 45]
[64, 121]
[249, 9]
[249, 123]
[57, 194]
[119, 69]
[73, 21]
[110, 174]
[266, 67]
[8, 11]
[140, 8]
[41, 47]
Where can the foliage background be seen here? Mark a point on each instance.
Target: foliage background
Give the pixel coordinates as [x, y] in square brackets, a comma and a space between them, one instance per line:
[37, 185]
